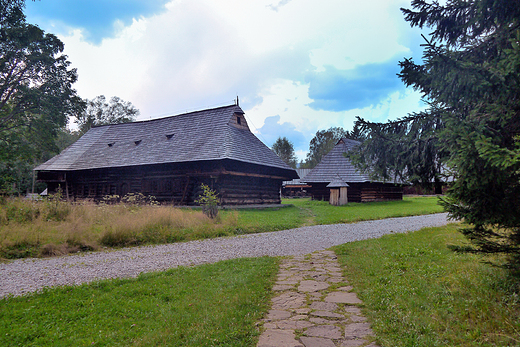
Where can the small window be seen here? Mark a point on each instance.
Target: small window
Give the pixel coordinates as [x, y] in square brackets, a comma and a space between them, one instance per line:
[137, 142]
[239, 121]
[169, 136]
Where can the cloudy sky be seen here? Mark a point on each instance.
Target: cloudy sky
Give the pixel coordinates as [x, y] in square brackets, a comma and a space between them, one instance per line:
[297, 66]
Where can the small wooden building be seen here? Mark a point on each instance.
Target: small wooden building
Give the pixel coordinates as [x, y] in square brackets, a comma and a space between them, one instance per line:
[169, 158]
[361, 188]
[338, 192]
[296, 187]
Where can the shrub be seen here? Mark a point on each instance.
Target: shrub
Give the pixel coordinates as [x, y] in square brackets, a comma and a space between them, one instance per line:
[139, 199]
[119, 238]
[50, 250]
[22, 249]
[20, 211]
[57, 209]
[209, 201]
[110, 199]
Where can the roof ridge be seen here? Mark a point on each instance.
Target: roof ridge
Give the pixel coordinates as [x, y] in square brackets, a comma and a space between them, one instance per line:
[163, 118]
[350, 140]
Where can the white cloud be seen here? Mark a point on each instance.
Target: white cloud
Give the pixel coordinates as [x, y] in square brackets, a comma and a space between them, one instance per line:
[290, 100]
[202, 53]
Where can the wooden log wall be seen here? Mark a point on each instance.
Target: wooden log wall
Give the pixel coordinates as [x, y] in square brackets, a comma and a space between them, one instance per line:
[319, 191]
[244, 190]
[175, 188]
[381, 193]
[360, 192]
[179, 185]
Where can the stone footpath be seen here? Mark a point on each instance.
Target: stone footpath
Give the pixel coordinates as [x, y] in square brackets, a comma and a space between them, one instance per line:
[314, 306]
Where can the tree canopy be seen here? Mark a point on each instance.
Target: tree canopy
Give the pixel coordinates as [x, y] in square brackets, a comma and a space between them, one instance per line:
[470, 77]
[405, 150]
[101, 112]
[285, 150]
[36, 94]
[323, 142]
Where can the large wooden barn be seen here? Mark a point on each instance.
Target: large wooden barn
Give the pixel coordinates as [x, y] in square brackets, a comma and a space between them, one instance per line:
[169, 158]
[336, 167]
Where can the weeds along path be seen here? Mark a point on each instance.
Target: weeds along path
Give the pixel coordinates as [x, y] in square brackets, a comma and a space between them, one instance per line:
[29, 275]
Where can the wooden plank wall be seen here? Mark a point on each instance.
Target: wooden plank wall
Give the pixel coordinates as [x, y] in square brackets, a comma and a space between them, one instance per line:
[173, 185]
[334, 197]
[338, 196]
[343, 196]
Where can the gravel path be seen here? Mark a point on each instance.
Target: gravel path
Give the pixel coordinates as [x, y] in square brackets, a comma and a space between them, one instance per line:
[29, 275]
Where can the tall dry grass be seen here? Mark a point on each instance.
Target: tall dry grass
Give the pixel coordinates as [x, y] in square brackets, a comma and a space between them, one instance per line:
[52, 227]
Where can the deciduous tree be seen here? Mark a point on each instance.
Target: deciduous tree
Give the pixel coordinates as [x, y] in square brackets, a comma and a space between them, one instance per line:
[285, 150]
[101, 112]
[323, 142]
[36, 94]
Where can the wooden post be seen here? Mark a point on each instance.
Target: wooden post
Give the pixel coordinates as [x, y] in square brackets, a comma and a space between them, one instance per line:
[66, 188]
[33, 180]
[185, 190]
[334, 197]
[343, 198]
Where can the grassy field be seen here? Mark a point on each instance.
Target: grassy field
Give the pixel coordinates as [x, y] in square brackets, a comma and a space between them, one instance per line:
[321, 212]
[419, 293]
[208, 305]
[48, 228]
[416, 292]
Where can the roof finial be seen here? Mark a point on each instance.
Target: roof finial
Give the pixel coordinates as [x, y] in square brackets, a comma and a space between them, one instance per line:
[237, 101]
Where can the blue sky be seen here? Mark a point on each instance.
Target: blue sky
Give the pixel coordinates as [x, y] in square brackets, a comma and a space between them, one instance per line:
[298, 66]
[96, 19]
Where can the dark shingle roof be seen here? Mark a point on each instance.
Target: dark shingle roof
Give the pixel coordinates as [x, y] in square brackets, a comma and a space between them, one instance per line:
[197, 136]
[297, 181]
[334, 166]
[337, 183]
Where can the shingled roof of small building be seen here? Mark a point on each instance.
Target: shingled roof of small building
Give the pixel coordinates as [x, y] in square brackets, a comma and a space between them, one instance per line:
[337, 183]
[196, 136]
[334, 165]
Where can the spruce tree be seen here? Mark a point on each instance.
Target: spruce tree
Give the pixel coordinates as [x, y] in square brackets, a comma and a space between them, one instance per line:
[403, 151]
[470, 77]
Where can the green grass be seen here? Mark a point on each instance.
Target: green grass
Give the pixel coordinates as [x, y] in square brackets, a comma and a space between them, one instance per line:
[269, 219]
[50, 228]
[321, 212]
[302, 212]
[419, 293]
[208, 305]
[416, 292]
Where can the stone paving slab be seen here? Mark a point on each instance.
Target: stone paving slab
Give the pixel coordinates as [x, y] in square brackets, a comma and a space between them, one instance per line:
[314, 306]
[327, 314]
[324, 306]
[343, 297]
[312, 286]
[277, 315]
[327, 331]
[278, 338]
[317, 342]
